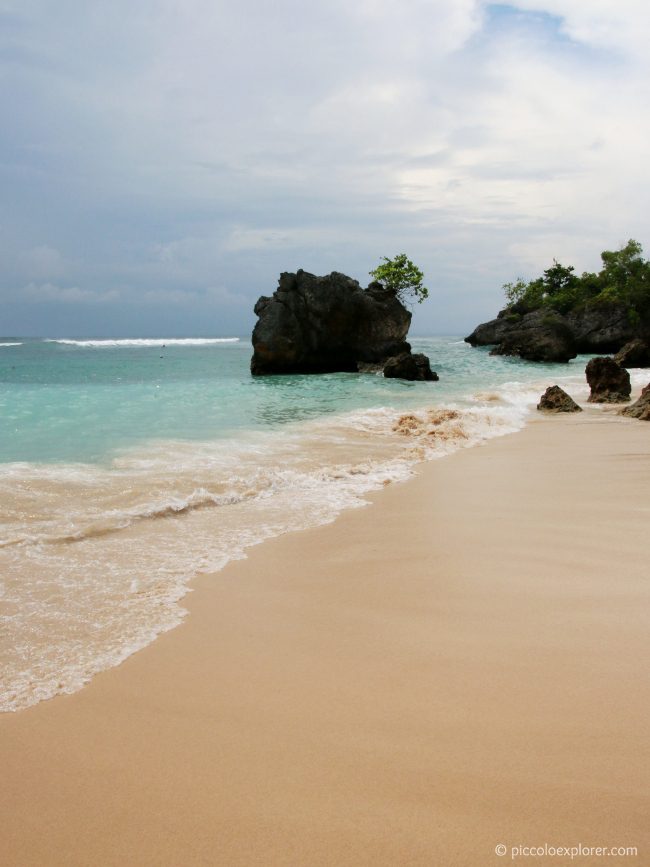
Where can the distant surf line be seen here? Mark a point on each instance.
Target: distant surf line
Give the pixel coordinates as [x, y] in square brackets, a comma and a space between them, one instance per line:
[144, 341]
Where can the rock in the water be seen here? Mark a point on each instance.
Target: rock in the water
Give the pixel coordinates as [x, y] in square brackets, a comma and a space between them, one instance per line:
[609, 382]
[595, 328]
[325, 324]
[636, 353]
[492, 332]
[555, 399]
[538, 336]
[411, 367]
[640, 408]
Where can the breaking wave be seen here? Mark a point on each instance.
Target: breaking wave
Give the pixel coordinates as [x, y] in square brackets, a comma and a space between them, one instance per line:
[145, 341]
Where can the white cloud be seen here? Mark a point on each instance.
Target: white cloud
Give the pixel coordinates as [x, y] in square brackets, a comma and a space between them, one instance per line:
[624, 26]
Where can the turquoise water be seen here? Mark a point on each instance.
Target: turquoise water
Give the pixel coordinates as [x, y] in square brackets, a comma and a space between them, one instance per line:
[127, 468]
[74, 402]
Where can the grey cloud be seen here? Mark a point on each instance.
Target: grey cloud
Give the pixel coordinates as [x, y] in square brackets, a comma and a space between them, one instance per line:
[156, 150]
[38, 293]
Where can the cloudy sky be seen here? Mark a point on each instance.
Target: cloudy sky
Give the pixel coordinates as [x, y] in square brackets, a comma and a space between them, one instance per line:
[161, 162]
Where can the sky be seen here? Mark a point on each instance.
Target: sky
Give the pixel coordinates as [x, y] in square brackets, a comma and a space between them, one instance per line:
[162, 162]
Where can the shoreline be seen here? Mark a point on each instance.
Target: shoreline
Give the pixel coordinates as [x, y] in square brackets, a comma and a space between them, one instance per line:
[225, 495]
[459, 667]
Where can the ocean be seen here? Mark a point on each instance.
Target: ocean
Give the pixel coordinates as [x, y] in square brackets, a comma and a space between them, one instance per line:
[129, 466]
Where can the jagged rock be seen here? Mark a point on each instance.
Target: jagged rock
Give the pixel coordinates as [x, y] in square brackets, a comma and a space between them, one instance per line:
[538, 336]
[640, 408]
[325, 324]
[609, 382]
[602, 327]
[411, 367]
[555, 399]
[636, 353]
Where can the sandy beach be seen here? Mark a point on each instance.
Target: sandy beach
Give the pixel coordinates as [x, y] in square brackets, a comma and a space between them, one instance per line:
[460, 665]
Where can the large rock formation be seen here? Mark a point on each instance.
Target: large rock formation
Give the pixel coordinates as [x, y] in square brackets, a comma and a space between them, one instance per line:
[603, 327]
[608, 381]
[555, 399]
[640, 408]
[537, 336]
[326, 324]
[636, 353]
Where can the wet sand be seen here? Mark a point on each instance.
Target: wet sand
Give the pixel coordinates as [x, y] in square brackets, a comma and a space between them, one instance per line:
[459, 665]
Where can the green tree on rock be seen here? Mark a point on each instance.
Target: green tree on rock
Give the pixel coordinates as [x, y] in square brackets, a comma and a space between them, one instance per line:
[624, 279]
[626, 276]
[403, 277]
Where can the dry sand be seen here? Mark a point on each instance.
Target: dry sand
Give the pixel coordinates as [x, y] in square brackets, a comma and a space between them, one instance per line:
[461, 664]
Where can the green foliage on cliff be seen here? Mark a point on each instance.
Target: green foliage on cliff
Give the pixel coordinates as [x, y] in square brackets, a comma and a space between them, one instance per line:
[403, 277]
[624, 278]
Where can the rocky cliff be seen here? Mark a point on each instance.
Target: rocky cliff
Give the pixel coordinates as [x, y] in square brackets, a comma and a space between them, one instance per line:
[545, 335]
